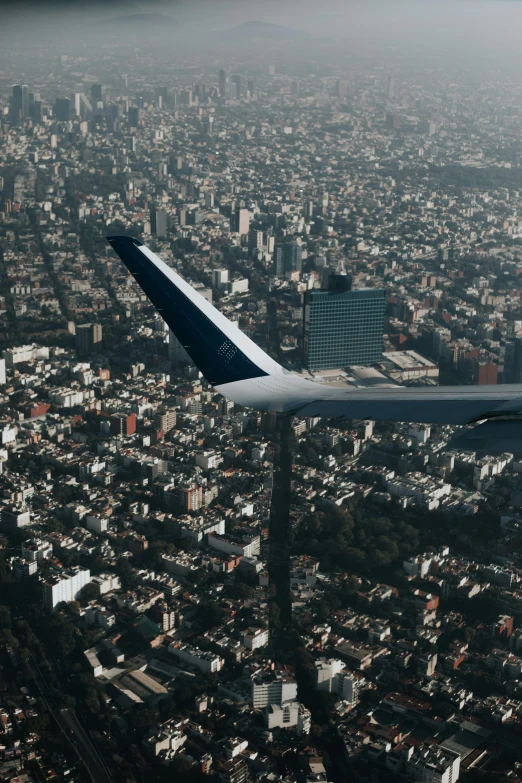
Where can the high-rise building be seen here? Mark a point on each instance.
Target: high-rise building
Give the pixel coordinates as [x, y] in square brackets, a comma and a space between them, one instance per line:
[88, 338]
[255, 241]
[165, 420]
[242, 221]
[2, 372]
[513, 362]
[134, 116]
[158, 222]
[123, 423]
[19, 102]
[235, 84]
[343, 327]
[62, 109]
[36, 111]
[390, 88]
[96, 93]
[222, 81]
[219, 278]
[293, 257]
[279, 261]
[272, 687]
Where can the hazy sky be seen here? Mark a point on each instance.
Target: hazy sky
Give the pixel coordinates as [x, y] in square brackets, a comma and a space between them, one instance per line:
[487, 24]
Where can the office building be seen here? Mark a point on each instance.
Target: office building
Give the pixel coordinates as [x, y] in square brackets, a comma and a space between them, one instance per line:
[64, 586]
[62, 109]
[293, 257]
[158, 222]
[255, 242]
[96, 93]
[36, 111]
[513, 362]
[343, 327]
[235, 86]
[278, 261]
[222, 81]
[3, 378]
[19, 103]
[88, 339]
[134, 116]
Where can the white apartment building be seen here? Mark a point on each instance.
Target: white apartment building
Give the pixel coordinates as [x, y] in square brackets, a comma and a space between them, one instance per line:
[98, 525]
[208, 459]
[289, 715]
[433, 764]
[64, 586]
[331, 677]
[325, 671]
[36, 550]
[99, 616]
[249, 549]
[67, 398]
[272, 688]
[106, 582]
[206, 662]
[254, 638]
[24, 353]
[239, 286]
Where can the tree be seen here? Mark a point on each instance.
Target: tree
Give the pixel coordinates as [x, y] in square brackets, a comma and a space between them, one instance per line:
[5, 617]
[89, 592]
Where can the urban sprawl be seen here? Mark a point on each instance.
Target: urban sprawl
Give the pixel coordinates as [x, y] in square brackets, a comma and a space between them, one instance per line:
[194, 591]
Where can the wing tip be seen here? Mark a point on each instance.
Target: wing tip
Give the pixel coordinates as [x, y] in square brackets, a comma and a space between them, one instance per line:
[121, 240]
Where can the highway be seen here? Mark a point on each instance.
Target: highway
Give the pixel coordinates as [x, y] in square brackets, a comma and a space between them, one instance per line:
[70, 726]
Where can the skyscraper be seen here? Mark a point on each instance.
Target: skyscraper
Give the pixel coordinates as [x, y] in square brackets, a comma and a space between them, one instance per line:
[343, 327]
[293, 257]
[62, 109]
[96, 93]
[236, 82]
[222, 81]
[19, 102]
[255, 242]
[134, 116]
[158, 222]
[513, 362]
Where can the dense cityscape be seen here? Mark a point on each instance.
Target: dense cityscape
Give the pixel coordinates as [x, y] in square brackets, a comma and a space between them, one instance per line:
[191, 590]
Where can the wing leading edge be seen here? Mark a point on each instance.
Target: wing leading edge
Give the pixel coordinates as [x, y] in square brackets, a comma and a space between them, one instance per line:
[244, 373]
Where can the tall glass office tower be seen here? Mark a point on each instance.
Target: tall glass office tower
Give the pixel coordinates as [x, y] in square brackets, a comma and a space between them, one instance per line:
[343, 327]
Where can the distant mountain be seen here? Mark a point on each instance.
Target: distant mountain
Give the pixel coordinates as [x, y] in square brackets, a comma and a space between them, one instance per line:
[132, 20]
[65, 6]
[264, 30]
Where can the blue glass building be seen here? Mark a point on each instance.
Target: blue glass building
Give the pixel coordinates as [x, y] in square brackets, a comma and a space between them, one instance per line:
[343, 328]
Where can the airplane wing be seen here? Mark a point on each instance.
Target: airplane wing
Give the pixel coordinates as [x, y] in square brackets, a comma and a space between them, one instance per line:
[243, 372]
